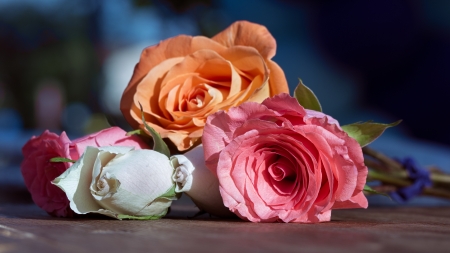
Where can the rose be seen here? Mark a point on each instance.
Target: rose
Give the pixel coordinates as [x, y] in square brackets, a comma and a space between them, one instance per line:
[182, 80]
[120, 182]
[198, 182]
[38, 171]
[278, 161]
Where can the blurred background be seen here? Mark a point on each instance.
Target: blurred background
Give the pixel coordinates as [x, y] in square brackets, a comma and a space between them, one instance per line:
[64, 65]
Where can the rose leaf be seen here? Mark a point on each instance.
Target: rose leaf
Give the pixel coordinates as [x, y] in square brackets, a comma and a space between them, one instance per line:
[306, 97]
[366, 132]
[61, 160]
[158, 143]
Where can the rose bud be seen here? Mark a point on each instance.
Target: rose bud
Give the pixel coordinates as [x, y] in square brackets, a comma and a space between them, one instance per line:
[120, 182]
[194, 178]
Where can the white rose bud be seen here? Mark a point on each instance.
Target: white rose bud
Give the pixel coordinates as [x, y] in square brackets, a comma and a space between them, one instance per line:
[198, 182]
[120, 182]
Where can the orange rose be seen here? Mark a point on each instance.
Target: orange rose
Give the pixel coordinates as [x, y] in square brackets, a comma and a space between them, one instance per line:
[182, 80]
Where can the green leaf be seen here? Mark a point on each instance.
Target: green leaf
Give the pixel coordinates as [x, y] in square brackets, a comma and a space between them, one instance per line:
[306, 97]
[133, 132]
[158, 143]
[366, 132]
[61, 160]
[170, 194]
[150, 217]
[370, 190]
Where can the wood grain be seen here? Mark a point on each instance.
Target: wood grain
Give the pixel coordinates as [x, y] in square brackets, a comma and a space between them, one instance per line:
[26, 228]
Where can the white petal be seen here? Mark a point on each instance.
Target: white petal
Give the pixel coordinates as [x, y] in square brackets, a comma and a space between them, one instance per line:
[75, 183]
[205, 186]
[183, 173]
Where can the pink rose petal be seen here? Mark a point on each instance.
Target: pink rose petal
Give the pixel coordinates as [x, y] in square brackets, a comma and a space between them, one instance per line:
[276, 161]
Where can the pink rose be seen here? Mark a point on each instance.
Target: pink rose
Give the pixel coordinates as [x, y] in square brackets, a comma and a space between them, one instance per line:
[277, 161]
[38, 171]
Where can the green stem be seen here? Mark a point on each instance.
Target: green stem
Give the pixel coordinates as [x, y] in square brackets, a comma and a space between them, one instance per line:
[390, 163]
[388, 179]
[389, 171]
[440, 178]
[402, 182]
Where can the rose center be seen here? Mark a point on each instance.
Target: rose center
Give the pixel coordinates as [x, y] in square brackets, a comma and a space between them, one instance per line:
[198, 100]
[180, 175]
[102, 186]
[194, 100]
[105, 185]
[281, 172]
[283, 176]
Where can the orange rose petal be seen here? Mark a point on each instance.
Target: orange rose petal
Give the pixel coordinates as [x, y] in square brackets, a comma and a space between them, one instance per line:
[167, 87]
[200, 59]
[197, 111]
[148, 90]
[196, 134]
[154, 55]
[249, 34]
[152, 118]
[213, 97]
[197, 99]
[245, 76]
[236, 82]
[182, 139]
[200, 43]
[178, 95]
[169, 103]
[246, 59]
[217, 95]
[277, 80]
[244, 95]
[216, 69]
[150, 58]
[260, 94]
[199, 122]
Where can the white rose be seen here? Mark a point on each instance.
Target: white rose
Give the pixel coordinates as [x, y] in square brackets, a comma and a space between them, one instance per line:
[120, 182]
[198, 182]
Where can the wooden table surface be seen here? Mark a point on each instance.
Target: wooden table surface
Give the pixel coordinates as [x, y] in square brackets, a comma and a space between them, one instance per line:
[26, 228]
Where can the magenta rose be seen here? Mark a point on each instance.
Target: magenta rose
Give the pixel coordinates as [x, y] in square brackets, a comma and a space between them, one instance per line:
[38, 171]
[277, 161]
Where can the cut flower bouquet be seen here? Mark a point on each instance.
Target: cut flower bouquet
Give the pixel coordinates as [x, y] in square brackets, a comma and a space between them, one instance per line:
[225, 131]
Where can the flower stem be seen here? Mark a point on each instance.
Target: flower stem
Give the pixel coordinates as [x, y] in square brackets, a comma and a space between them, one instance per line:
[388, 179]
[390, 172]
[390, 163]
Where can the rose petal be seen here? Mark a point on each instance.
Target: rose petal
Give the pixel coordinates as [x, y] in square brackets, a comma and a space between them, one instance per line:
[75, 183]
[249, 34]
[277, 79]
[204, 189]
